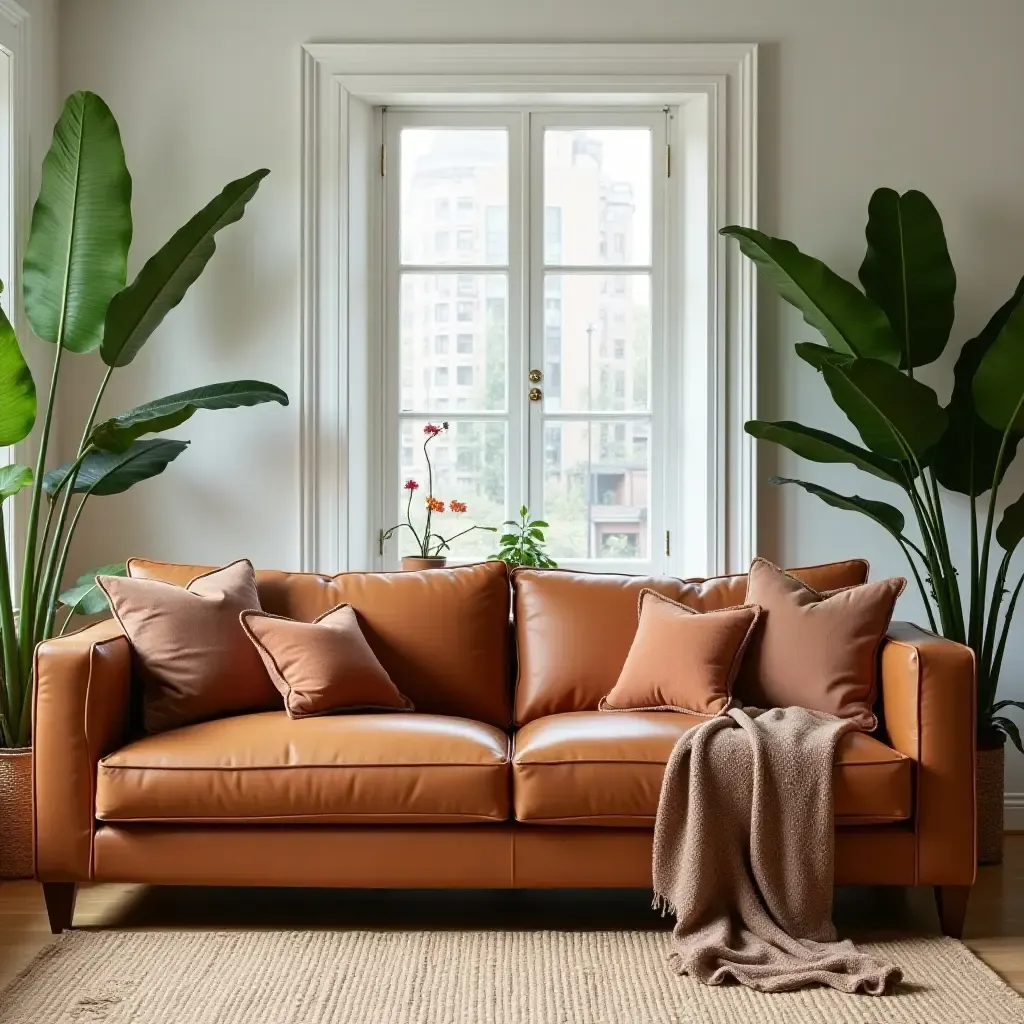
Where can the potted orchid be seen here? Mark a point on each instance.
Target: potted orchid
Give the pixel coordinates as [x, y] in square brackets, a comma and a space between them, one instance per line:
[431, 544]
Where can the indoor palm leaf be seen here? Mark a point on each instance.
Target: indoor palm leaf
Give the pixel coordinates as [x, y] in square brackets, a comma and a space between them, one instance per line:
[77, 298]
[875, 337]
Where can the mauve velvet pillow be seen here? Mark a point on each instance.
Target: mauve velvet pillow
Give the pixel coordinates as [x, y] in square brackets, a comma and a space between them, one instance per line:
[681, 659]
[816, 650]
[193, 655]
[323, 667]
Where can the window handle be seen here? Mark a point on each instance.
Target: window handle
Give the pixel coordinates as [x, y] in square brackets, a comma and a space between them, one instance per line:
[536, 376]
[536, 394]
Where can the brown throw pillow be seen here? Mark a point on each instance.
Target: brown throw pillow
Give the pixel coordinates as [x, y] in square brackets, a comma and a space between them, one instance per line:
[193, 655]
[816, 650]
[325, 666]
[682, 660]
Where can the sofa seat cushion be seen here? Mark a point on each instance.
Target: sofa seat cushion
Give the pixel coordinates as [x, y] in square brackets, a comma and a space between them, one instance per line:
[589, 768]
[378, 768]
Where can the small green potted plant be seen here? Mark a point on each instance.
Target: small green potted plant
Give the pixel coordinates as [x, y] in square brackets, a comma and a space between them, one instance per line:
[524, 543]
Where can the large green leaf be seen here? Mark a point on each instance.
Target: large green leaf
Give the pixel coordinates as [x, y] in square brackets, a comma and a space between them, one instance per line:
[136, 312]
[77, 254]
[964, 460]
[820, 355]
[105, 473]
[893, 413]
[848, 320]
[86, 597]
[820, 446]
[1010, 531]
[14, 479]
[887, 516]
[17, 388]
[907, 271]
[117, 434]
[999, 382]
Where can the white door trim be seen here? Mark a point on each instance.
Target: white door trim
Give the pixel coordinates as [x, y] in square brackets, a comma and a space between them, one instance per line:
[343, 84]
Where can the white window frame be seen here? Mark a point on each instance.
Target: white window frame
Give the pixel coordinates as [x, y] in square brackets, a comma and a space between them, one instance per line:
[713, 364]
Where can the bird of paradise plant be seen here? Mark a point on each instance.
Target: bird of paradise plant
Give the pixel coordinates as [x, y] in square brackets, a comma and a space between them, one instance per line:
[430, 543]
[76, 297]
[875, 338]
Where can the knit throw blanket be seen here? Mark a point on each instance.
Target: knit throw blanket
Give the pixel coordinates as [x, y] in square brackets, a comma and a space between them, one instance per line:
[743, 855]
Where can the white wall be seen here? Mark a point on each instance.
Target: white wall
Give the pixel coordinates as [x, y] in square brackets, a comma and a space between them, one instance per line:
[917, 93]
[43, 96]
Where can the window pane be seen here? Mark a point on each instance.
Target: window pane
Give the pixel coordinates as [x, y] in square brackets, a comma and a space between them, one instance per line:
[454, 206]
[469, 461]
[597, 488]
[597, 342]
[453, 342]
[597, 196]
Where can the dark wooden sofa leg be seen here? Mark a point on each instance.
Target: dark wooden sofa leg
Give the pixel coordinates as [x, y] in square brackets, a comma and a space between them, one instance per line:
[60, 904]
[951, 901]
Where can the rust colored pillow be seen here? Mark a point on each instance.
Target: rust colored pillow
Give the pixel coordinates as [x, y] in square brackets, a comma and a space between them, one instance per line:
[681, 659]
[193, 655]
[322, 667]
[816, 650]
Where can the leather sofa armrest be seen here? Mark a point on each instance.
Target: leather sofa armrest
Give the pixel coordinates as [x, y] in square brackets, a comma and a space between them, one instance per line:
[928, 697]
[80, 713]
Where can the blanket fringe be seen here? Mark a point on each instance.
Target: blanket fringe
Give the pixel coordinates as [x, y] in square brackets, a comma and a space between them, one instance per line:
[664, 904]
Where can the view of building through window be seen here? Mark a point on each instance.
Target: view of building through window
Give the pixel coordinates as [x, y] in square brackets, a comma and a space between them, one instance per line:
[590, 332]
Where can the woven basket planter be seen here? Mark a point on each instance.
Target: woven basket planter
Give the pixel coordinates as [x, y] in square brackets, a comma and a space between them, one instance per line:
[990, 805]
[16, 813]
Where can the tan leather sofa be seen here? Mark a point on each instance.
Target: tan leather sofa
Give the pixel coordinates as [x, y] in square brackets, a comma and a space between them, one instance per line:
[499, 779]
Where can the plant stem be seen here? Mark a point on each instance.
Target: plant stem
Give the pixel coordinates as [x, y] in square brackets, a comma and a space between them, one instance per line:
[408, 521]
[68, 485]
[95, 409]
[430, 497]
[58, 574]
[11, 691]
[997, 661]
[986, 651]
[986, 546]
[27, 625]
[51, 506]
[64, 626]
[952, 583]
[930, 557]
[920, 583]
[43, 578]
[448, 543]
[975, 630]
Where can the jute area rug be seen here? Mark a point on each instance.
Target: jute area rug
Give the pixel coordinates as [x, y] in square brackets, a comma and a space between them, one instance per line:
[492, 977]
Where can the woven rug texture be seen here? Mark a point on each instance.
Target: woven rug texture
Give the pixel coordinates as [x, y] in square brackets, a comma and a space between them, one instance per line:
[444, 977]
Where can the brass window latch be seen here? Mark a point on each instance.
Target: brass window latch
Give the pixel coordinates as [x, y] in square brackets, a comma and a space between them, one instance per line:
[536, 376]
[536, 394]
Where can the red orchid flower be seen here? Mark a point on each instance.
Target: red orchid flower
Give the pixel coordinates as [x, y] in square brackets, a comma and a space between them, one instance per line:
[457, 506]
[411, 485]
[435, 504]
[432, 430]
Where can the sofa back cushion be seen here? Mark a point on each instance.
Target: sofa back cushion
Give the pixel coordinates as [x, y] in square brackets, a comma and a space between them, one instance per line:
[574, 629]
[441, 635]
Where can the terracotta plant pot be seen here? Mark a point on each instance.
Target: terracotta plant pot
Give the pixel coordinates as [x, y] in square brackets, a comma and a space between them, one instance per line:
[990, 803]
[414, 564]
[16, 813]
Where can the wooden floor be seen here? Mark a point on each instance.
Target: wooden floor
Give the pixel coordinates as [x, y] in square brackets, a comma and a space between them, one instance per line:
[995, 921]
